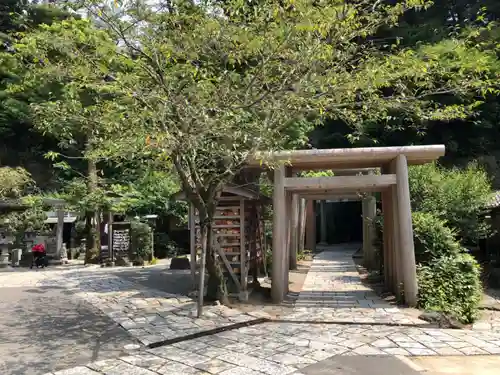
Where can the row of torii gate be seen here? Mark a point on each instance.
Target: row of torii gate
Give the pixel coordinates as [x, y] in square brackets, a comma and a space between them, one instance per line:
[392, 182]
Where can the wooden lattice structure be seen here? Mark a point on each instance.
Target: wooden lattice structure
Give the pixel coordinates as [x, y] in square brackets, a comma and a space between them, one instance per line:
[238, 237]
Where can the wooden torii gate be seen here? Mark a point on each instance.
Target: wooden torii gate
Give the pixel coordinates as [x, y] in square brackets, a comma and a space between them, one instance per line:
[302, 213]
[392, 183]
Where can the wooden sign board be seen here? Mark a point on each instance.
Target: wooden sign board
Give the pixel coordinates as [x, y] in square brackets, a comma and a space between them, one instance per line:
[121, 239]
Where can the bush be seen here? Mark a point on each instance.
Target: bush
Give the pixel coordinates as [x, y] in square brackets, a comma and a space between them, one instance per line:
[141, 241]
[451, 284]
[447, 205]
[15, 182]
[433, 239]
[458, 196]
[303, 255]
[164, 246]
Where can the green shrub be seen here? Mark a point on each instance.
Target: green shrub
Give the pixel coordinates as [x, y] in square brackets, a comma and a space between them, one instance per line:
[15, 182]
[433, 239]
[458, 196]
[164, 246]
[31, 218]
[141, 241]
[452, 285]
[304, 255]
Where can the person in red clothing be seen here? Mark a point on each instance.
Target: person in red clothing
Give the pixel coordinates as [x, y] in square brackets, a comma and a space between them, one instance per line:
[39, 255]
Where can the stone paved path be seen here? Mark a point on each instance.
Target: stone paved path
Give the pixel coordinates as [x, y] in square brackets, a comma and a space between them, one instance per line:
[362, 365]
[46, 328]
[333, 281]
[333, 292]
[147, 314]
[286, 348]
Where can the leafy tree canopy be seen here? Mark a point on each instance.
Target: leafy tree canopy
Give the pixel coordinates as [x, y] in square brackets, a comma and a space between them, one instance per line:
[205, 85]
[15, 182]
[456, 196]
[463, 35]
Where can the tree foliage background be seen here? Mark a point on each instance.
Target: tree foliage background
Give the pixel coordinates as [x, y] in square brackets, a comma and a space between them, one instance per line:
[179, 93]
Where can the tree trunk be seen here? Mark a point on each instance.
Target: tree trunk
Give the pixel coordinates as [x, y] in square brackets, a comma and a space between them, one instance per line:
[204, 198]
[93, 230]
[216, 284]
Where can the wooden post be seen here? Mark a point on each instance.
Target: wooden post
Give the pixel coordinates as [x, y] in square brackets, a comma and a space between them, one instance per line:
[255, 233]
[110, 238]
[388, 234]
[396, 244]
[302, 224]
[322, 208]
[369, 207]
[406, 232]
[243, 249]
[192, 243]
[295, 231]
[279, 235]
[288, 244]
[310, 226]
[397, 271]
[59, 235]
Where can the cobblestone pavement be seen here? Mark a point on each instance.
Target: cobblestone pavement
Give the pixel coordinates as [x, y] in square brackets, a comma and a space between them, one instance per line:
[333, 292]
[286, 348]
[48, 328]
[147, 314]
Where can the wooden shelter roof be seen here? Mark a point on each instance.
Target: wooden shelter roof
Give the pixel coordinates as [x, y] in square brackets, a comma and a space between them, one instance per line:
[231, 190]
[349, 158]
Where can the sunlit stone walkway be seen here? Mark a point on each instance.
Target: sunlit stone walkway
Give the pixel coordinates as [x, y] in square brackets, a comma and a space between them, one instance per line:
[333, 291]
[335, 315]
[290, 348]
[333, 281]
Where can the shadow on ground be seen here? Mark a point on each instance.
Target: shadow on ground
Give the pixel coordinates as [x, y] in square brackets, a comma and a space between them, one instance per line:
[359, 365]
[491, 298]
[47, 329]
[160, 278]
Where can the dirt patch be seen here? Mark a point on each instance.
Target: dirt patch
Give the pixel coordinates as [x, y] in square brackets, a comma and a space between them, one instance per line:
[489, 319]
[298, 276]
[260, 298]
